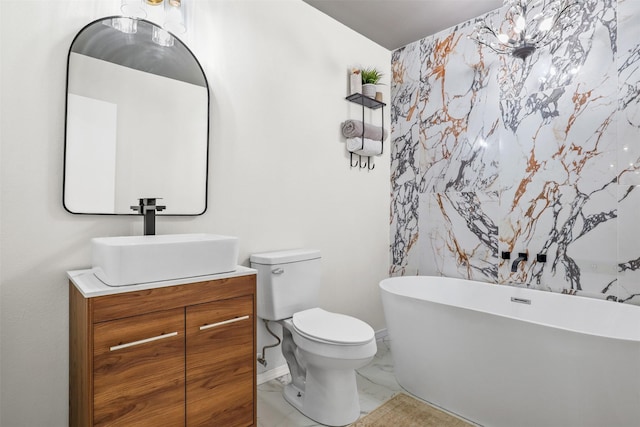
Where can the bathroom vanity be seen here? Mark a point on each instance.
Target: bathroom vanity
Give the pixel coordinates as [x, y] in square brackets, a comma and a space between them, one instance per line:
[172, 353]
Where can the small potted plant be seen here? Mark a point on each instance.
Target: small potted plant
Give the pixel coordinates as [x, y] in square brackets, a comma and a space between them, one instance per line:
[370, 78]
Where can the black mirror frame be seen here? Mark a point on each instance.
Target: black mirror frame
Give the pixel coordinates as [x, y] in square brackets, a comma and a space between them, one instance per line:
[206, 82]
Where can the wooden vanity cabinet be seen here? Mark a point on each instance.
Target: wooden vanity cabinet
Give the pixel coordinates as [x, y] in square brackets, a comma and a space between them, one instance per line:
[174, 356]
[138, 370]
[220, 363]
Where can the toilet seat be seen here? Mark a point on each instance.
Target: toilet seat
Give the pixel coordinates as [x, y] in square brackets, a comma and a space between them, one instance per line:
[323, 326]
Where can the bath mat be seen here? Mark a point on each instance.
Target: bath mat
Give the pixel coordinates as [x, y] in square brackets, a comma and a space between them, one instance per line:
[404, 411]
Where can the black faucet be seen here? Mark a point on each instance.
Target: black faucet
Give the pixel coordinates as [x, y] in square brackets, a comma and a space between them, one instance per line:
[521, 257]
[147, 208]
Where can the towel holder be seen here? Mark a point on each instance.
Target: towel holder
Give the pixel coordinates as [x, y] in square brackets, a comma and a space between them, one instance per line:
[373, 104]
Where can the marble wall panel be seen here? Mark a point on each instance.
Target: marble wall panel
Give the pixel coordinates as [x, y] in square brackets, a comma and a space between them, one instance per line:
[628, 244]
[628, 125]
[458, 125]
[557, 157]
[405, 168]
[629, 92]
[459, 236]
[513, 156]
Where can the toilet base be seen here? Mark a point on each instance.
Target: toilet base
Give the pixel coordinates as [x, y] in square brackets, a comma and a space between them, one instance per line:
[331, 398]
[294, 396]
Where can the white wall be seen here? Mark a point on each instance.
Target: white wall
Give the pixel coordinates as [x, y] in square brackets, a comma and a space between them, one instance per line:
[1, 139]
[279, 174]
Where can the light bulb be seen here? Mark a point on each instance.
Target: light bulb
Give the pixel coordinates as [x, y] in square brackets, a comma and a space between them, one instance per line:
[546, 24]
[521, 24]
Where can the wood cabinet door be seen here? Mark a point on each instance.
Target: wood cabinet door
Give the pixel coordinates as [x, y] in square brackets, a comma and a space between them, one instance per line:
[138, 368]
[220, 363]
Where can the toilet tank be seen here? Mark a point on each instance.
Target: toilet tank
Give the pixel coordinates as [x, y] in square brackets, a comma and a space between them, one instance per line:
[288, 282]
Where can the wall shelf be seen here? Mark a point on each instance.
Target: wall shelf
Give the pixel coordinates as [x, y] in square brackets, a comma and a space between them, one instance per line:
[359, 98]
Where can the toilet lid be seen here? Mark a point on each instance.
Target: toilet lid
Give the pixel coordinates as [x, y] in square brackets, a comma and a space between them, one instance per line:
[317, 323]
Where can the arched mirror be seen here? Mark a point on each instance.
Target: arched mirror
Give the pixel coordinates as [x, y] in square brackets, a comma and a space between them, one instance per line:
[137, 121]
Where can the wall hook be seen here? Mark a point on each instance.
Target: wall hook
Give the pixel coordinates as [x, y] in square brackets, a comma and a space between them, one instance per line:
[362, 166]
[370, 163]
[353, 165]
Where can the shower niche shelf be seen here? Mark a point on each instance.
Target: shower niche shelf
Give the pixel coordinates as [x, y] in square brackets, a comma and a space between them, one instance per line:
[373, 104]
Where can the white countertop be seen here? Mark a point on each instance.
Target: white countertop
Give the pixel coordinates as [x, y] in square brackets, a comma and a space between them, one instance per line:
[90, 286]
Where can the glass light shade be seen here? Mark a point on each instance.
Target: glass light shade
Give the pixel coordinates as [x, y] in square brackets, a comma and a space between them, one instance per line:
[162, 37]
[155, 13]
[125, 24]
[174, 17]
[167, 14]
[133, 9]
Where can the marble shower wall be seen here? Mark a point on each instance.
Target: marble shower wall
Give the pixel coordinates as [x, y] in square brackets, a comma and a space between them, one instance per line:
[491, 154]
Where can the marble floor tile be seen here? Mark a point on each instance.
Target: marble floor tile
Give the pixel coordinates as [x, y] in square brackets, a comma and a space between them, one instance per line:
[376, 385]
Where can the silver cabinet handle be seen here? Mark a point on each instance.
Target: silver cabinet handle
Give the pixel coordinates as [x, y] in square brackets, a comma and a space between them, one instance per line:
[224, 322]
[277, 271]
[144, 341]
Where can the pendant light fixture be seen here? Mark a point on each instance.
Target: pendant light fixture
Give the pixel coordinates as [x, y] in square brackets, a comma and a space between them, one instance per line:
[528, 25]
[168, 15]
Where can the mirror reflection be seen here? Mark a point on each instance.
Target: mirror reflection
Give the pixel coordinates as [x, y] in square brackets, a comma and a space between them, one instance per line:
[137, 121]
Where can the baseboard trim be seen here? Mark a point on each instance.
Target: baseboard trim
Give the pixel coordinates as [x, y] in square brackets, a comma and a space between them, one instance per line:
[272, 374]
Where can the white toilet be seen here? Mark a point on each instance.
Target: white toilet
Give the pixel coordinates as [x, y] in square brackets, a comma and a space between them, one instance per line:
[322, 349]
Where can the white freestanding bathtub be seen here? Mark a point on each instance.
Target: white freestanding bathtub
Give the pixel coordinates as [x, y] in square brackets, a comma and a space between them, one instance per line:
[503, 356]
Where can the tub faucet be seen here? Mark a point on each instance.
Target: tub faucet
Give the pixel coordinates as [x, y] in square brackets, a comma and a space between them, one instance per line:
[147, 208]
[521, 258]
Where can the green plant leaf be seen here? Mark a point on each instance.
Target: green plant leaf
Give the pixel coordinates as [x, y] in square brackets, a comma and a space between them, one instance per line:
[370, 75]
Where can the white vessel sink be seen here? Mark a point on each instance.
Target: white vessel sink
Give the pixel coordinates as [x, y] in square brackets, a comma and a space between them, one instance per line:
[131, 260]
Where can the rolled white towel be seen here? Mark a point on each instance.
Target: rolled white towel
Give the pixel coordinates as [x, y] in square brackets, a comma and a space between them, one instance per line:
[371, 147]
